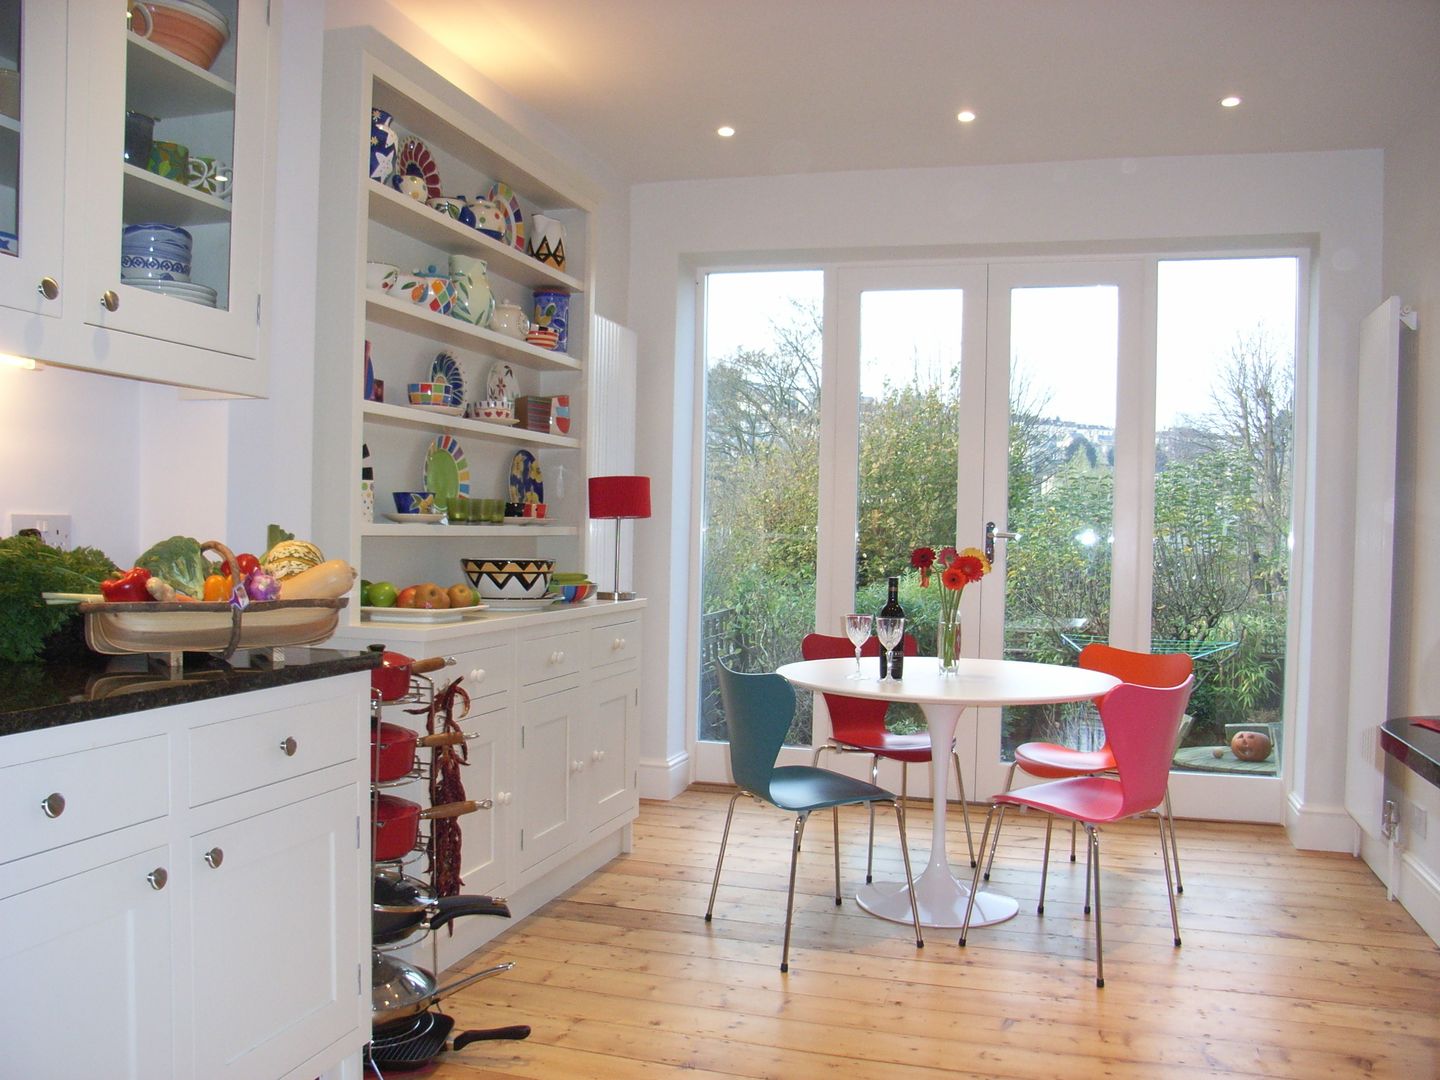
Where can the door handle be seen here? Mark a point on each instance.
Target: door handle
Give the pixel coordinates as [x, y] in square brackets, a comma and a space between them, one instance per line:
[990, 536]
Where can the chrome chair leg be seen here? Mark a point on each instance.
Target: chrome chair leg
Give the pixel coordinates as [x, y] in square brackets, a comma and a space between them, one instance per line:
[870, 847]
[975, 884]
[790, 899]
[1174, 848]
[909, 880]
[990, 863]
[1045, 863]
[1074, 828]
[1088, 862]
[1099, 935]
[835, 818]
[724, 839]
[964, 807]
[1165, 857]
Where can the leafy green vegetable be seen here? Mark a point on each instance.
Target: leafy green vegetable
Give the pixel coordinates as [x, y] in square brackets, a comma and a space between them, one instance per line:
[276, 535]
[179, 562]
[29, 567]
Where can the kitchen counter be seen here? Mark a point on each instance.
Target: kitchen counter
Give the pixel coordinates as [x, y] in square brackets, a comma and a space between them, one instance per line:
[41, 695]
[1416, 747]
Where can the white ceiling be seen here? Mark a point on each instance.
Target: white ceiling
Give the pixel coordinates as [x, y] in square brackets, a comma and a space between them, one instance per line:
[826, 85]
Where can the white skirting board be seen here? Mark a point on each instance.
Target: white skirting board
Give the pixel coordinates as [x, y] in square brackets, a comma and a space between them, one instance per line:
[610, 436]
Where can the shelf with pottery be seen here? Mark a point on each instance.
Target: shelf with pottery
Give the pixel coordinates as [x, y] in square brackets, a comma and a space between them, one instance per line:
[403, 315]
[159, 83]
[408, 416]
[438, 529]
[151, 197]
[390, 208]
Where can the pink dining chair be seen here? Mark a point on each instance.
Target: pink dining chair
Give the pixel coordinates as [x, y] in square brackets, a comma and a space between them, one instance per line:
[1141, 726]
[857, 726]
[1051, 761]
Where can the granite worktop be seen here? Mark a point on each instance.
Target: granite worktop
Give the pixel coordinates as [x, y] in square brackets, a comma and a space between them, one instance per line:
[89, 687]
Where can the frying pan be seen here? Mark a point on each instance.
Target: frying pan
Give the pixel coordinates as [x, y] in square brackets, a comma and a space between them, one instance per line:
[393, 746]
[399, 989]
[388, 927]
[397, 822]
[391, 680]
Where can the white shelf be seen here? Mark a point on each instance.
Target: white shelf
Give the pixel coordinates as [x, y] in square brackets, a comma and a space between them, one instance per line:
[386, 310]
[151, 197]
[161, 84]
[430, 532]
[414, 218]
[401, 415]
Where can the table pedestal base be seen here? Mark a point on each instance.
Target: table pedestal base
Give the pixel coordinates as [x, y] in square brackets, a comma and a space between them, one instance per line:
[940, 898]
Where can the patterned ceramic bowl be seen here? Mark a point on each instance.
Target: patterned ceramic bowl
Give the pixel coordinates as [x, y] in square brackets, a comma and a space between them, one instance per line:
[414, 502]
[428, 393]
[428, 290]
[509, 579]
[156, 251]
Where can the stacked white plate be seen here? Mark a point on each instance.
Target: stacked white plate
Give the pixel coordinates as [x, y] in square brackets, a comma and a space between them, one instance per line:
[181, 290]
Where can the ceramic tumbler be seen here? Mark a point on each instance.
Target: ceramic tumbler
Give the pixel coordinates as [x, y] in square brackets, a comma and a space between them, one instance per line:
[382, 146]
[547, 240]
[170, 160]
[208, 175]
[552, 311]
[139, 138]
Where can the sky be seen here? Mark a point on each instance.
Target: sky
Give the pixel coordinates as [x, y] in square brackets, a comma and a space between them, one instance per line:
[1064, 338]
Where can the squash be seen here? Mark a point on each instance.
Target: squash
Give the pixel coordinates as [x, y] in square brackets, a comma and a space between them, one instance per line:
[327, 581]
[291, 557]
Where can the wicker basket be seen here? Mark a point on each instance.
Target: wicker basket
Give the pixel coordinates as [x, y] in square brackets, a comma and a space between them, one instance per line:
[174, 627]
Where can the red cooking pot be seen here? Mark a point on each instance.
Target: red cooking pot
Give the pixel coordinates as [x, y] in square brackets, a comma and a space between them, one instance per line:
[397, 822]
[391, 680]
[393, 747]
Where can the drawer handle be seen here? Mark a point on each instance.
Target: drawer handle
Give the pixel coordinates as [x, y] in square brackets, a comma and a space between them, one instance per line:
[110, 300]
[617, 644]
[157, 878]
[477, 675]
[597, 756]
[53, 804]
[289, 746]
[503, 798]
[49, 288]
[214, 857]
[558, 656]
[577, 766]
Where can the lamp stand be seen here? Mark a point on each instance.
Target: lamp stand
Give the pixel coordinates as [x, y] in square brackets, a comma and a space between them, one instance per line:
[617, 594]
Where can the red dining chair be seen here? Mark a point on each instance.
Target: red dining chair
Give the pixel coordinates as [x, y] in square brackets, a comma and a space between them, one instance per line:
[1141, 726]
[857, 726]
[1051, 761]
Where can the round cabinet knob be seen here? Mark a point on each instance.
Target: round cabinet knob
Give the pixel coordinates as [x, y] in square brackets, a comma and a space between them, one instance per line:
[503, 798]
[110, 300]
[597, 756]
[49, 288]
[477, 675]
[289, 746]
[577, 765]
[53, 804]
[214, 857]
[157, 878]
[617, 644]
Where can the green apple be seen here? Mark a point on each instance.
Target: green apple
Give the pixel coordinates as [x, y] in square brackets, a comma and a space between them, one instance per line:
[382, 594]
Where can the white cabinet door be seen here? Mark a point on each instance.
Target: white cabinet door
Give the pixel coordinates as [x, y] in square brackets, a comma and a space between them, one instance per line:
[486, 847]
[548, 766]
[275, 950]
[90, 982]
[610, 742]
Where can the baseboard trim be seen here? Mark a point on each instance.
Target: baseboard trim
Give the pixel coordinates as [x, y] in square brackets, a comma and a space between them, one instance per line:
[664, 779]
[1414, 886]
[1320, 828]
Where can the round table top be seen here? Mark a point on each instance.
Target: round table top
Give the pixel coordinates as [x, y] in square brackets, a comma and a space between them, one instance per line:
[976, 682]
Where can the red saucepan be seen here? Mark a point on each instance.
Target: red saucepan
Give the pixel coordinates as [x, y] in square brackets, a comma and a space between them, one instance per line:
[391, 680]
[397, 822]
[393, 747]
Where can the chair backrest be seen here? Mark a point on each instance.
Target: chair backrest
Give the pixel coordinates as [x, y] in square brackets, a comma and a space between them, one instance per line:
[1141, 726]
[1139, 668]
[758, 711]
[852, 719]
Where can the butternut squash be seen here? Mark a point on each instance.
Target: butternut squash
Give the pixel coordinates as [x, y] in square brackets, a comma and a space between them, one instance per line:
[327, 581]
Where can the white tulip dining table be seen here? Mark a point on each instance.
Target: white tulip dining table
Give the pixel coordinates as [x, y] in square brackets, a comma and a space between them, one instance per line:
[977, 683]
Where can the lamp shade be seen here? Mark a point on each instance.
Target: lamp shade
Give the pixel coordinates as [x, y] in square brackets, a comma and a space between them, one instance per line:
[619, 496]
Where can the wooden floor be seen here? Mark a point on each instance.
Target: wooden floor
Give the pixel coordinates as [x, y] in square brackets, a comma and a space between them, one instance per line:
[1293, 964]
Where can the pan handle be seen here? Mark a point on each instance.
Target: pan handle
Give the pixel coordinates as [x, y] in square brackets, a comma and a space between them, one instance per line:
[430, 663]
[454, 907]
[465, 1038]
[460, 984]
[455, 809]
[440, 738]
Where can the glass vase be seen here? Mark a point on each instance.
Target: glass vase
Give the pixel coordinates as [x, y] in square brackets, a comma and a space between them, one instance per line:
[947, 641]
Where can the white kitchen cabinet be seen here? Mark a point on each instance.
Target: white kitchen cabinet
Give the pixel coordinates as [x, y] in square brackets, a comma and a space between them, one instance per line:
[610, 748]
[171, 922]
[62, 297]
[548, 768]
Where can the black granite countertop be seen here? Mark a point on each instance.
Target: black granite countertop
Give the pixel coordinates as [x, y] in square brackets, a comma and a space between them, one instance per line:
[1417, 747]
[44, 695]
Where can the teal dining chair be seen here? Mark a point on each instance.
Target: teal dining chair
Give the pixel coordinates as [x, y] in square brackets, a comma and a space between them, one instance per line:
[758, 712]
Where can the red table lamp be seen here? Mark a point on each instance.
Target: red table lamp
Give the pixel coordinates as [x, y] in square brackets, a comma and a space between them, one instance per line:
[619, 497]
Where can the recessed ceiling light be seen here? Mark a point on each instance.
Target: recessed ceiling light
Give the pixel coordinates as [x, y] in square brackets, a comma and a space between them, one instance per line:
[1230, 102]
[725, 132]
[965, 116]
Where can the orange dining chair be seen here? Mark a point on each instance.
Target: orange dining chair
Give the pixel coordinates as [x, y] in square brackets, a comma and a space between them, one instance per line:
[1141, 726]
[857, 726]
[1050, 761]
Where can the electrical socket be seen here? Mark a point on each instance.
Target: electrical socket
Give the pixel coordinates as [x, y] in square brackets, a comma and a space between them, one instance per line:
[54, 529]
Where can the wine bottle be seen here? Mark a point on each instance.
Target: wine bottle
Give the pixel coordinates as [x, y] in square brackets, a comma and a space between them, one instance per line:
[892, 661]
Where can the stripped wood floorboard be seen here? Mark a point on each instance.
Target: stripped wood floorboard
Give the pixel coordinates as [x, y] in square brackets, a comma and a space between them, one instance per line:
[1294, 965]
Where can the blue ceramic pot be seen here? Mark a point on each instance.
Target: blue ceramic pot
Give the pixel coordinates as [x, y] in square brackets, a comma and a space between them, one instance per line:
[552, 311]
[382, 146]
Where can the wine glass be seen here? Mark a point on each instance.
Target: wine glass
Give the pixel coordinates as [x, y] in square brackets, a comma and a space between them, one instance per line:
[890, 631]
[857, 629]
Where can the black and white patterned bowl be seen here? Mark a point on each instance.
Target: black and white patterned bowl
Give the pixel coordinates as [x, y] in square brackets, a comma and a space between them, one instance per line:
[509, 579]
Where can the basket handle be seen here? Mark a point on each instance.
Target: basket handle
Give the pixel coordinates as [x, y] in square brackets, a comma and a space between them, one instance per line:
[233, 565]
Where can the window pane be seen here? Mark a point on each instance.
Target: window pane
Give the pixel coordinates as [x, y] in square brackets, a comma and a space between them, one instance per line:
[1225, 380]
[761, 479]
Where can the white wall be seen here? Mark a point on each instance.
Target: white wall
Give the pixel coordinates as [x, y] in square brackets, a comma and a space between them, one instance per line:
[1332, 201]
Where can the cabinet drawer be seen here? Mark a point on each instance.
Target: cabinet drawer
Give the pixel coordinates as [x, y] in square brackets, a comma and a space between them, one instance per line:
[264, 748]
[545, 658]
[486, 673]
[89, 792]
[615, 643]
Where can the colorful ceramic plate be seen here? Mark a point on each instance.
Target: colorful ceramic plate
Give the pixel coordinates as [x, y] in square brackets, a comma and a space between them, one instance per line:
[416, 519]
[414, 160]
[426, 615]
[447, 473]
[502, 194]
[527, 483]
[501, 383]
[446, 370]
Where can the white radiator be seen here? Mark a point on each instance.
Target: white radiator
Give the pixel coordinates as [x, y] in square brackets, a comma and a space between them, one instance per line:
[609, 437]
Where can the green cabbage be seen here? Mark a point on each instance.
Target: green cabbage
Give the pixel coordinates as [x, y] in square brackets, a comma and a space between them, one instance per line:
[179, 562]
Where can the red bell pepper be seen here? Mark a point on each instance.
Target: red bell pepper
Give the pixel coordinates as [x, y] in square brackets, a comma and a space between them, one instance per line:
[128, 588]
